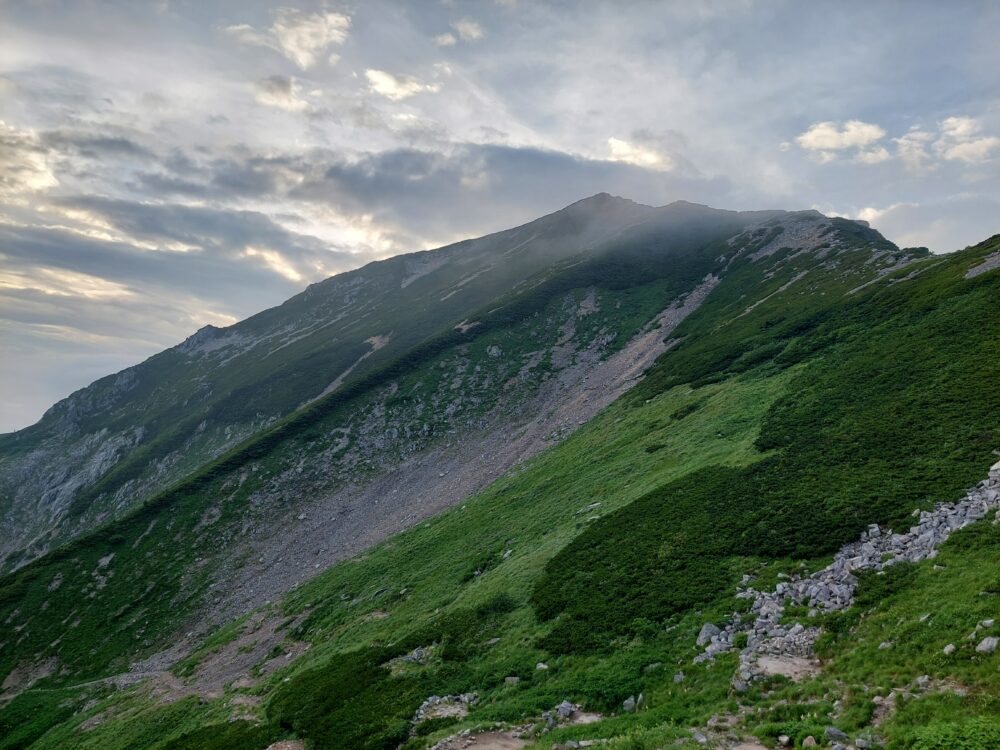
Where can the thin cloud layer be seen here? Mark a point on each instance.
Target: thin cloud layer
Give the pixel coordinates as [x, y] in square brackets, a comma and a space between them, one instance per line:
[301, 37]
[163, 168]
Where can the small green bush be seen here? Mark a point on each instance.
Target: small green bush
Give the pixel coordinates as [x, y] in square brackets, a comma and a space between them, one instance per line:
[977, 734]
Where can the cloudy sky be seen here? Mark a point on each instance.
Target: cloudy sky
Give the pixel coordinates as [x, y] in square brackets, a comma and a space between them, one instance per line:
[169, 164]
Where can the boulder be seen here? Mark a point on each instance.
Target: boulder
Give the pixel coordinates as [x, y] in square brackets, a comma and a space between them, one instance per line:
[708, 631]
[949, 649]
[987, 645]
[565, 709]
[835, 735]
[810, 741]
[628, 705]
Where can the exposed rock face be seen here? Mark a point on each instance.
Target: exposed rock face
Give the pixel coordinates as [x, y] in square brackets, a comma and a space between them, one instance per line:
[832, 588]
[419, 474]
[990, 262]
[446, 706]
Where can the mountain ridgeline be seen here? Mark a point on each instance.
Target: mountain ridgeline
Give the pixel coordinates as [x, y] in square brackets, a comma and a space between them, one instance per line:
[578, 481]
[111, 445]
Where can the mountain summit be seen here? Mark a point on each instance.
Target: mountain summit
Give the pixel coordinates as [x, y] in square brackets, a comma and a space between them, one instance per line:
[107, 447]
[602, 476]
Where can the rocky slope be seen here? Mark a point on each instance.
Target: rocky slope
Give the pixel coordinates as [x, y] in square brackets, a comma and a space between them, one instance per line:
[107, 447]
[570, 527]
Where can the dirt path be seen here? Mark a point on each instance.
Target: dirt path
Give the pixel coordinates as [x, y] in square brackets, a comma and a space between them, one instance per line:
[483, 741]
[795, 668]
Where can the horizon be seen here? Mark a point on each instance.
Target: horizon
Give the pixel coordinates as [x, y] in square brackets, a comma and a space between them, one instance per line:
[174, 165]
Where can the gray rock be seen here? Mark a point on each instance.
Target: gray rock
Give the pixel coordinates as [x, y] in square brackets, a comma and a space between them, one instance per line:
[565, 709]
[784, 740]
[835, 735]
[679, 677]
[699, 737]
[542, 666]
[987, 645]
[810, 741]
[512, 680]
[628, 705]
[708, 631]
[987, 623]
[862, 743]
[949, 649]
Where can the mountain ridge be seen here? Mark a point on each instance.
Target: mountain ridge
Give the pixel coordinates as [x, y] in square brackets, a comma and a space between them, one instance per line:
[183, 444]
[543, 506]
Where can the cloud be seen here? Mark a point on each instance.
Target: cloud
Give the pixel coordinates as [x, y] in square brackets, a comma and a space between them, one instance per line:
[829, 136]
[281, 92]
[160, 111]
[445, 40]
[63, 283]
[826, 139]
[397, 88]
[427, 197]
[639, 155]
[225, 232]
[300, 36]
[93, 145]
[912, 149]
[875, 155]
[942, 226]
[467, 29]
[957, 139]
[960, 140]
[24, 163]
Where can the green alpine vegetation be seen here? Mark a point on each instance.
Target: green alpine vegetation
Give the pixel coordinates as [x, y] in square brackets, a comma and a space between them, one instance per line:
[815, 380]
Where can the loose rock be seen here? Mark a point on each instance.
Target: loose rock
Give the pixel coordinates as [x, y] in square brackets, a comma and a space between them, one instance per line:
[987, 645]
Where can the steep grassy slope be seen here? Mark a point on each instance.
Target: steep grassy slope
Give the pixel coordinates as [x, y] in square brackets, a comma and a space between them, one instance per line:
[799, 405]
[109, 446]
[886, 401]
[154, 570]
[898, 407]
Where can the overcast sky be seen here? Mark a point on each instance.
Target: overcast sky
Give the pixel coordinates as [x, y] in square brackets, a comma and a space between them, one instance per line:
[169, 164]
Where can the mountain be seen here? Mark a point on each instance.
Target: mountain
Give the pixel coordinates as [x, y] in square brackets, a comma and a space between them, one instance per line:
[640, 488]
[111, 445]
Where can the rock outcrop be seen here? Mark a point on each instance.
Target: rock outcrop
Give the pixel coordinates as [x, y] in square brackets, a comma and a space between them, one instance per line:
[832, 588]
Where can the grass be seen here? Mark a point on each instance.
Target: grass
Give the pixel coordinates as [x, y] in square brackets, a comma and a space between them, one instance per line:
[152, 585]
[603, 558]
[897, 409]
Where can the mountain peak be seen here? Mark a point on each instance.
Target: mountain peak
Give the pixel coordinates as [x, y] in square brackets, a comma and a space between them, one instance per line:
[604, 200]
